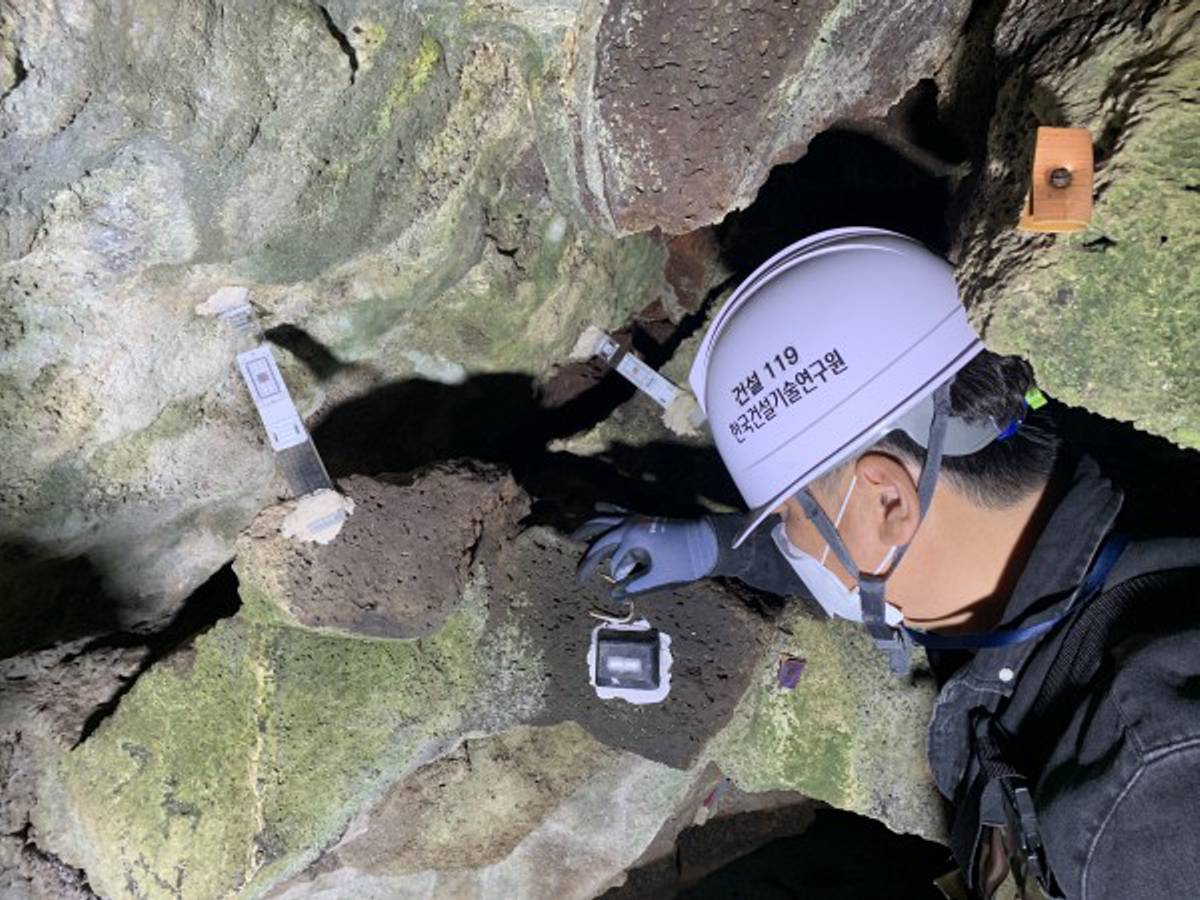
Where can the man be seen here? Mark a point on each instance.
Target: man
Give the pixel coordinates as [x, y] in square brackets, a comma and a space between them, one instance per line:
[922, 490]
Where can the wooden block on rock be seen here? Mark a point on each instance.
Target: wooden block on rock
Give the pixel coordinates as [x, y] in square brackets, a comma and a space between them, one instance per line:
[1060, 193]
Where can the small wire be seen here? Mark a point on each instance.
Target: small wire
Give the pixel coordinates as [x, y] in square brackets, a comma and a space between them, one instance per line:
[614, 620]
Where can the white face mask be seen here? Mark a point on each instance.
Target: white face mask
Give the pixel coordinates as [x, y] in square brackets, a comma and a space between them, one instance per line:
[827, 589]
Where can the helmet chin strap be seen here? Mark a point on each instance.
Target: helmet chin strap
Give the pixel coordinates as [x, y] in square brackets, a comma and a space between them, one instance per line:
[895, 642]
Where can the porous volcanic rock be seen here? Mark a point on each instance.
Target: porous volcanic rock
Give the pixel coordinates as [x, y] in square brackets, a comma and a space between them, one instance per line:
[1110, 316]
[402, 560]
[715, 639]
[697, 100]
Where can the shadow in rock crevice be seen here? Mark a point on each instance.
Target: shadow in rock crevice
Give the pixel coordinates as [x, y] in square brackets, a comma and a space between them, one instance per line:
[213, 601]
[46, 600]
[312, 354]
[815, 865]
[847, 177]
[793, 851]
[498, 418]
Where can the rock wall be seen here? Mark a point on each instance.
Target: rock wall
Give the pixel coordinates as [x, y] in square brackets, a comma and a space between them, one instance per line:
[378, 178]
[426, 190]
[428, 202]
[292, 753]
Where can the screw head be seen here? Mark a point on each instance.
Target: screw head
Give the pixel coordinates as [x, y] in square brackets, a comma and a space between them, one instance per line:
[1060, 178]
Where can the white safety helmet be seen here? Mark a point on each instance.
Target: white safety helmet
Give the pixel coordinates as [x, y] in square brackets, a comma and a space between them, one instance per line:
[828, 346]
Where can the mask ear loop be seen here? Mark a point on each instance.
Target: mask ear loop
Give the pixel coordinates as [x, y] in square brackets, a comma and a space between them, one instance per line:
[888, 562]
[841, 512]
[895, 642]
[827, 530]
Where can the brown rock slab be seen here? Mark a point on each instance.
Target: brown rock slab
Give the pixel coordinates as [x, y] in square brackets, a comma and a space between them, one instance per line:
[698, 100]
[715, 639]
[472, 808]
[535, 813]
[401, 561]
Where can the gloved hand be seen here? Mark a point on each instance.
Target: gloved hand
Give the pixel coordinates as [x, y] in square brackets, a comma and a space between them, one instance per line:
[669, 551]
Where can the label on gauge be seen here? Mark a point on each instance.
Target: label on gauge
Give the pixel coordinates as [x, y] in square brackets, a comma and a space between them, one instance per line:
[282, 422]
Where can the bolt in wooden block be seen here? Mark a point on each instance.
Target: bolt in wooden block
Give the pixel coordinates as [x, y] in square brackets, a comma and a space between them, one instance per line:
[1060, 192]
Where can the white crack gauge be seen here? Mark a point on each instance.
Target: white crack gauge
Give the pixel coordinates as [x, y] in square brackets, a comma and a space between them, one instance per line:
[295, 453]
[280, 419]
[644, 378]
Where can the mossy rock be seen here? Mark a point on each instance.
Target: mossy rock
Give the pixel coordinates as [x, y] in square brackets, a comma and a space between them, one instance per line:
[229, 765]
[849, 733]
[1110, 316]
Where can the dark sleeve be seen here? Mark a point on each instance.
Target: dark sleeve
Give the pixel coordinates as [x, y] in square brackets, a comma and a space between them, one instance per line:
[757, 562]
[1122, 786]
[1149, 843]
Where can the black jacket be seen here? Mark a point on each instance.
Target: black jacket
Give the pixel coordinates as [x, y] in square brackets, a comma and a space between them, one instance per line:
[1116, 783]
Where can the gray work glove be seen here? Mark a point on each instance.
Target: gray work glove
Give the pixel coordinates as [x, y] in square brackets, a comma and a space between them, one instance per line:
[668, 551]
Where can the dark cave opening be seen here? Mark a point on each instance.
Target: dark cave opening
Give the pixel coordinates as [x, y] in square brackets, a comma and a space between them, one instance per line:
[802, 850]
[847, 177]
[47, 599]
[900, 173]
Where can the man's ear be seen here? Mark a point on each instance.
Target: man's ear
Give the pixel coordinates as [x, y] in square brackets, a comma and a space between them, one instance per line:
[891, 491]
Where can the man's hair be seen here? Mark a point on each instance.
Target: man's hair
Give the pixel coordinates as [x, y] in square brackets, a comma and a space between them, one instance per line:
[993, 387]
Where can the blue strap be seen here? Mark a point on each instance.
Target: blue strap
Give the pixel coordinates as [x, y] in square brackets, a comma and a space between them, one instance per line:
[1109, 553]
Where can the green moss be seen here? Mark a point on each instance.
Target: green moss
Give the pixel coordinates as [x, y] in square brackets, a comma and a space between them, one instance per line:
[409, 81]
[796, 740]
[515, 685]
[374, 36]
[525, 319]
[127, 460]
[345, 716]
[233, 767]
[1110, 317]
[849, 733]
[455, 242]
[257, 607]
[163, 790]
